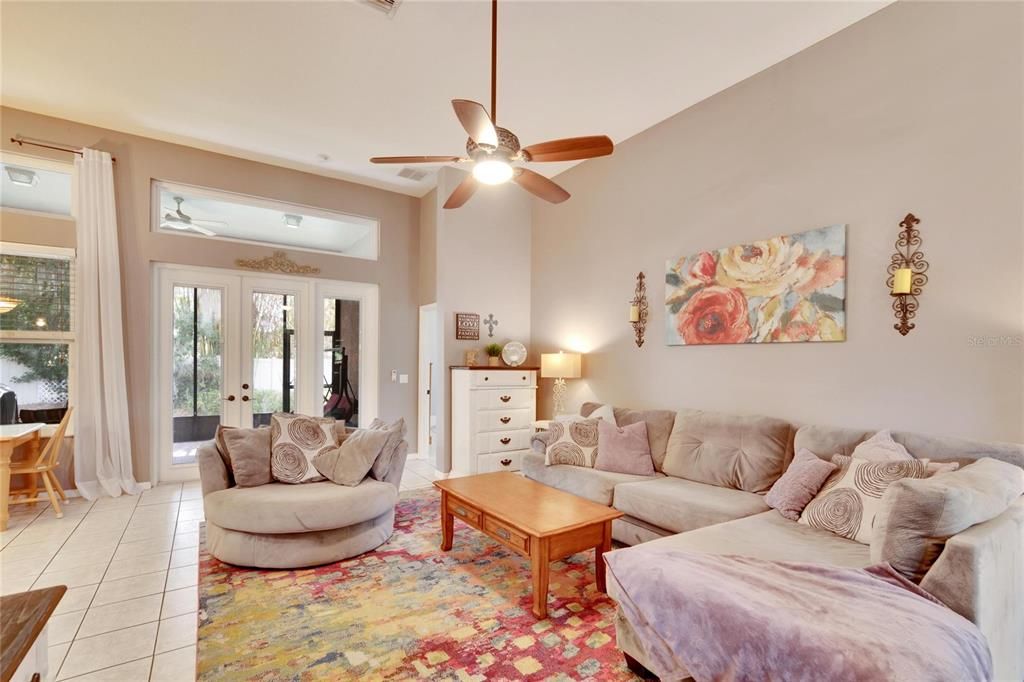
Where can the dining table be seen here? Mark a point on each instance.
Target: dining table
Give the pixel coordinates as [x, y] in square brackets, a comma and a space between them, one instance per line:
[13, 436]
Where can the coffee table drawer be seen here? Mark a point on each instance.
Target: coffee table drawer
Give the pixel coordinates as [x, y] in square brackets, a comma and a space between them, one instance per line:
[463, 511]
[508, 535]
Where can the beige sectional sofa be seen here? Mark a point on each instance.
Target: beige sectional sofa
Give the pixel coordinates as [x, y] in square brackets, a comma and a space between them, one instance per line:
[980, 573]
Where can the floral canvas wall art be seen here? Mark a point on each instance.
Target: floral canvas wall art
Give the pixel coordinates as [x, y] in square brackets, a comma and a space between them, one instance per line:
[784, 289]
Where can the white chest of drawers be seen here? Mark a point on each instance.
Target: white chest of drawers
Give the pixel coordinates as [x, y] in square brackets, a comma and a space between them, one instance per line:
[492, 412]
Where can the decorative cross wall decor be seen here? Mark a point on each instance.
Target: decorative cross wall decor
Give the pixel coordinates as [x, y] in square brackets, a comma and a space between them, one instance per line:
[491, 324]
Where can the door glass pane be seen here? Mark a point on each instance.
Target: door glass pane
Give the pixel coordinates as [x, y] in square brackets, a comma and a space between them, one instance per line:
[274, 351]
[341, 360]
[197, 369]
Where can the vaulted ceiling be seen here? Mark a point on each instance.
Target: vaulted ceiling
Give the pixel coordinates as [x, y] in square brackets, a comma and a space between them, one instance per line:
[285, 82]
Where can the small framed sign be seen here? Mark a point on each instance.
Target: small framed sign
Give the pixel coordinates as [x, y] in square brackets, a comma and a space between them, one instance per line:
[467, 326]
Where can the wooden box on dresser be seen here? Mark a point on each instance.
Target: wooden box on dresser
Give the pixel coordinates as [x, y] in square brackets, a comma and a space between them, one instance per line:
[493, 409]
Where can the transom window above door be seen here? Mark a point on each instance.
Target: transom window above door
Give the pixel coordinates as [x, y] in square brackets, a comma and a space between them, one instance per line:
[211, 214]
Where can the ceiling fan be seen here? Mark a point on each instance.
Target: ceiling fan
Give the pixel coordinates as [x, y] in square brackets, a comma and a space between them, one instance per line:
[493, 149]
[176, 219]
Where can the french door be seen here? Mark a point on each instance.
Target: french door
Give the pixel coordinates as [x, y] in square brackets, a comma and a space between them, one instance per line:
[234, 348]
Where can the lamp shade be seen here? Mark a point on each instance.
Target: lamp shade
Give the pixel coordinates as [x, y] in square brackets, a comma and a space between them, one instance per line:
[560, 365]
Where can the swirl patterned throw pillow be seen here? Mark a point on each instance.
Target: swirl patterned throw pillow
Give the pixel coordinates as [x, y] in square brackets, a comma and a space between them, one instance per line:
[851, 497]
[294, 441]
[572, 443]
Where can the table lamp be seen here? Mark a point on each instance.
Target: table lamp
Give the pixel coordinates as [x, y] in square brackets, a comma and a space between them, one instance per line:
[560, 366]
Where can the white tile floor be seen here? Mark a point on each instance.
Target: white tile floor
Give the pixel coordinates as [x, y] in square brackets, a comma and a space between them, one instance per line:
[131, 568]
[419, 474]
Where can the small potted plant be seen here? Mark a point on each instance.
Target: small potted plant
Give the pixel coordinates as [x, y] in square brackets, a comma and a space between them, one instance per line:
[493, 351]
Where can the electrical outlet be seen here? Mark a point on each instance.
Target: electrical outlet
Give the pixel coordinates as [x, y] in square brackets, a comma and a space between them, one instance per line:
[394, 375]
[403, 378]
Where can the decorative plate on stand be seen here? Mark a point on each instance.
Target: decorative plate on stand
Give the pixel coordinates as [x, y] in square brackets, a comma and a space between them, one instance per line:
[514, 353]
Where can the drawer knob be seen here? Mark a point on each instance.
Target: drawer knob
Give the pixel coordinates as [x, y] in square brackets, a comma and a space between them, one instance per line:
[460, 511]
[505, 462]
[502, 533]
[506, 398]
[506, 440]
[505, 420]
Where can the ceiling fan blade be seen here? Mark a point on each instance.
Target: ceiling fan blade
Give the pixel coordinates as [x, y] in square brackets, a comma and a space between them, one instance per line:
[462, 193]
[538, 185]
[570, 149]
[415, 159]
[202, 230]
[475, 119]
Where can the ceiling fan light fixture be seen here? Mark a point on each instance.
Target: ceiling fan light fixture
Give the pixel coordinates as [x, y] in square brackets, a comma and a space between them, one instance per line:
[492, 171]
[22, 176]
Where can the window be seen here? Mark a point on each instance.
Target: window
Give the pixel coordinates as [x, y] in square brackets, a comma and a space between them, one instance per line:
[210, 214]
[36, 331]
[35, 185]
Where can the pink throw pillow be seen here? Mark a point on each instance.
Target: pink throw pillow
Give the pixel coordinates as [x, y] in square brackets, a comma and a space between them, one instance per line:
[799, 484]
[623, 449]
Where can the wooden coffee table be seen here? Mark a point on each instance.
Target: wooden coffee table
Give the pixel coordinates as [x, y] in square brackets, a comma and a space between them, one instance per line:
[531, 519]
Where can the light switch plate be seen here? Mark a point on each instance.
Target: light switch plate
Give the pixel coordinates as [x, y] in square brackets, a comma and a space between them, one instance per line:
[403, 378]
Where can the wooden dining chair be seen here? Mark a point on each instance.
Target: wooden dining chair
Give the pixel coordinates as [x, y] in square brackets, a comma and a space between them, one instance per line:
[44, 466]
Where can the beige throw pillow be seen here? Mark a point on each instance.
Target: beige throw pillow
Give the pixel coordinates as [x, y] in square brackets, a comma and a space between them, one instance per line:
[918, 516]
[349, 463]
[572, 443]
[249, 453]
[728, 451]
[396, 434]
[851, 497]
[882, 447]
[295, 441]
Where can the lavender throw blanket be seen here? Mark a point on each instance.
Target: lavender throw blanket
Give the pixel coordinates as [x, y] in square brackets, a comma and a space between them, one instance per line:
[738, 618]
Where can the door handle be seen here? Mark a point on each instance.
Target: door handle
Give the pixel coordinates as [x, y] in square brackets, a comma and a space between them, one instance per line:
[505, 462]
[230, 398]
[506, 441]
[245, 398]
[505, 420]
[506, 398]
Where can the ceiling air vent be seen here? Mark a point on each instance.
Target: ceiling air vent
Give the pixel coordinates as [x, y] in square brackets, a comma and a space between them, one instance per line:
[412, 173]
[389, 7]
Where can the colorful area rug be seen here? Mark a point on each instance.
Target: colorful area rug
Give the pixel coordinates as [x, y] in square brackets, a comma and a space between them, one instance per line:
[407, 611]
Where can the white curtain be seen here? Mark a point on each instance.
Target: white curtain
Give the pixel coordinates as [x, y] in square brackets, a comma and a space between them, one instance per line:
[103, 457]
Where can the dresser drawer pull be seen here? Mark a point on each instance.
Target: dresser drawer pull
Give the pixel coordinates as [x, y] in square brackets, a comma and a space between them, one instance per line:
[505, 462]
[505, 420]
[460, 511]
[506, 398]
[505, 441]
[502, 533]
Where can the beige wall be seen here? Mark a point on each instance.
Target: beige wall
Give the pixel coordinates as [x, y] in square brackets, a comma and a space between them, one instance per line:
[428, 248]
[139, 160]
[917, 108]
[32, 228]
[483, 267]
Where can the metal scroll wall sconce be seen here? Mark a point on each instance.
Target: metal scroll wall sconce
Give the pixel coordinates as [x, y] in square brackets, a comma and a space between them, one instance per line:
[638, 310]
[907, 274]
